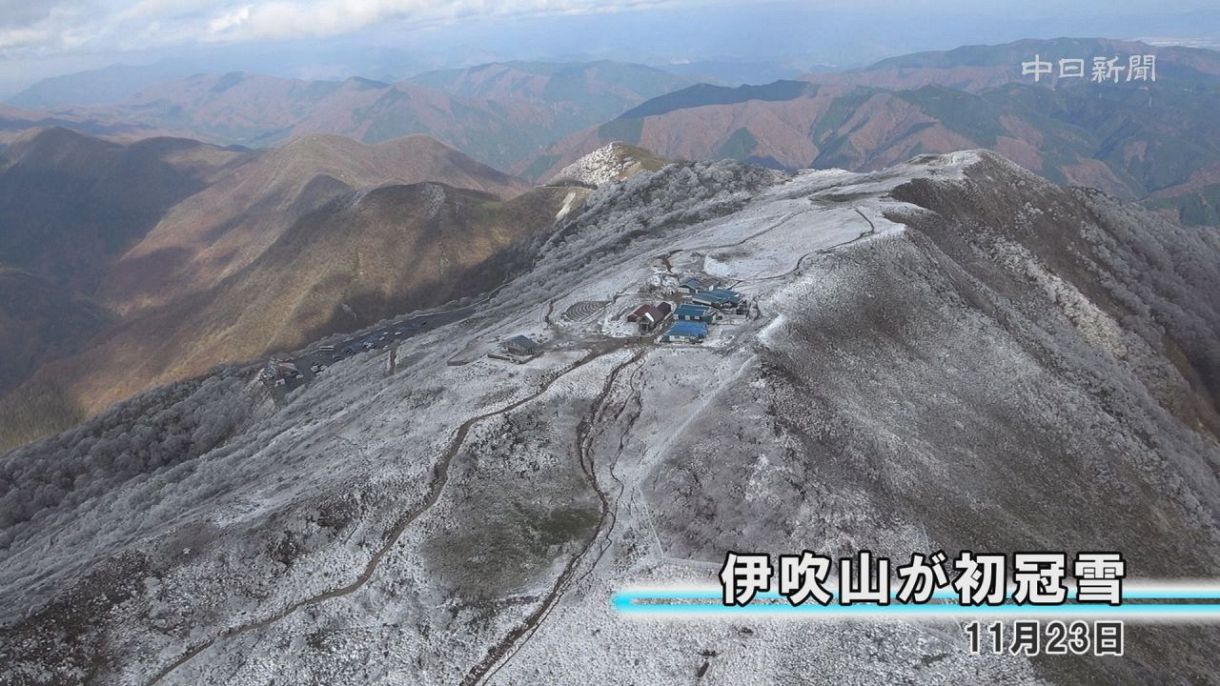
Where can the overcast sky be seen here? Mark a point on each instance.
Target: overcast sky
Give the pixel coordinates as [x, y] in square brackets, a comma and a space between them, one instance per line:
[39, 38]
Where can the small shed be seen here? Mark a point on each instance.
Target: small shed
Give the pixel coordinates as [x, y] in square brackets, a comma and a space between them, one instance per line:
[280, 369]
[521, 345]
[694, 285]
[279, 373]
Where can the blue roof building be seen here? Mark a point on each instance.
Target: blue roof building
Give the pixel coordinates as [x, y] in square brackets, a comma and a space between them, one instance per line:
[694, 313]
[687, 332]
[717, 297]
[691, 285]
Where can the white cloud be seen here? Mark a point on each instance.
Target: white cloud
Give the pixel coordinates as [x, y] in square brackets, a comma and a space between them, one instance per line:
[281, 19]
[230, 20]
[55, 26]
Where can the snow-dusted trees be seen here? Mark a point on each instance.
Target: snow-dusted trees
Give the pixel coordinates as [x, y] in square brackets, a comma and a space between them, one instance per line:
[161, 428]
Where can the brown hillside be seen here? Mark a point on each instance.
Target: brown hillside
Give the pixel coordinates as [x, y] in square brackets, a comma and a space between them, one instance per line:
[224, 228]
[71, 203]
[379, 253]
[880, 129]
[131, 265]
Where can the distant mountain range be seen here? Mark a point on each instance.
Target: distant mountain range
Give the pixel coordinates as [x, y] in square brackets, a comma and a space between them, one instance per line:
[132, 265]
[15, 122]
[580, 94]
[1158, 142]
[1155, 141]
[105, 86]
[500, 114]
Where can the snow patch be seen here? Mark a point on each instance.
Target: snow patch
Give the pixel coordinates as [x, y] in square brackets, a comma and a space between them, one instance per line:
[607, 164]
[567, 205]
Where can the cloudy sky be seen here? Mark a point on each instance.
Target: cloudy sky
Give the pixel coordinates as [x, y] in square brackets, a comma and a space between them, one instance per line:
[39, 38]
[56, 26]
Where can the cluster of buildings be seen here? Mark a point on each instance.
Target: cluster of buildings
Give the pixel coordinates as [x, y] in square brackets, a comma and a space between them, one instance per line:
[707, 303]
[701, 304]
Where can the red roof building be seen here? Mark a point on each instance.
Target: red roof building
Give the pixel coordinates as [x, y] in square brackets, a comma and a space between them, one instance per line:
[638, 312]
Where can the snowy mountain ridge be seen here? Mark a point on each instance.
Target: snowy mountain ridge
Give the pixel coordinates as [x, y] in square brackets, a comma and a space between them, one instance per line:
[466, 519]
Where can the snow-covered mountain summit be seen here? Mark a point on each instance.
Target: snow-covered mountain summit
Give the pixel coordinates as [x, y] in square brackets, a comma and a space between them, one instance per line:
[610, 163]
